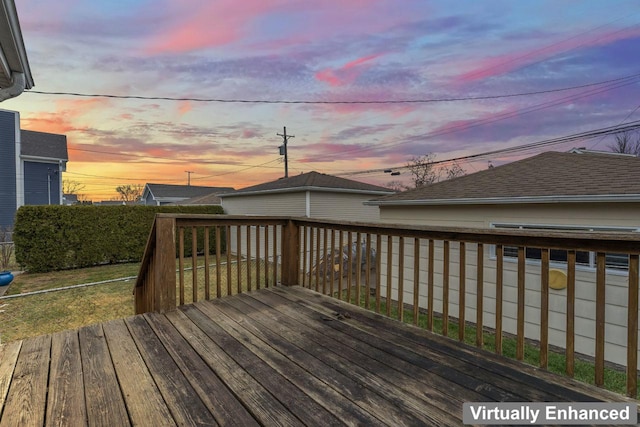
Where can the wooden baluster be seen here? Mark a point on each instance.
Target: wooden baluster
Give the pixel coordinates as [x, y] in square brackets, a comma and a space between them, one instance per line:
[520, 315]
[318, 259]
[367, 277]
[311, 266]
[480, 296]
[571, 305]
[239, 259]
[207, 280]
[228, 243]
[544, 309]
[462, 292]
[416, 281]
[445, 289]
[430, 276]
[333, 261]
[632, 329]
[325, 260]
[181, 265]
[600, 318]
[499, 278]
[218, 262]
[389, 272]
[304, 256]
[275, 255]
[378, 270]
[249, 259]
[358, 266]
[349, 266]
[258, 259]
[340, 278]
[401, 278]
[194, 263]
[266, 256]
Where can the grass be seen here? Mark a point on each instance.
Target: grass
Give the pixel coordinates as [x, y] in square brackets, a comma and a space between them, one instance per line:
[584, 371]
[45, 313]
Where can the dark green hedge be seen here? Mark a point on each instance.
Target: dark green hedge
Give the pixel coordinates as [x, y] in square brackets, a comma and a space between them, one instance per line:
[59, 237]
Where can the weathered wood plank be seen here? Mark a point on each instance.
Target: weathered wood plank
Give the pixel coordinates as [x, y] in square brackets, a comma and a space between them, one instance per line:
[411, 372]
[224, 406]
[26, 401]
[258, 400]
[251, 336]
[402, 406]
[480, 296]
[178, 394]
[145, 404]
[8, 358]
[523, 378]
[65, 397]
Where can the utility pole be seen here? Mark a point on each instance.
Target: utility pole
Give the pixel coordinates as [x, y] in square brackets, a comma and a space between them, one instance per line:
[283, 150]
[189, 177]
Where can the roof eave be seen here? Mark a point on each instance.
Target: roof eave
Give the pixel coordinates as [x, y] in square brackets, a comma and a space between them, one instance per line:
[306, 188]
[596, 198]
[9, 17]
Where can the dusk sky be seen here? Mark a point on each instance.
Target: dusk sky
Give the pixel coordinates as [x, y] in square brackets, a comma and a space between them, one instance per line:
[311, 50]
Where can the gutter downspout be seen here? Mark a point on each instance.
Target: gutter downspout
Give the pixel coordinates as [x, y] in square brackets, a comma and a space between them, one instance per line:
[17, 87]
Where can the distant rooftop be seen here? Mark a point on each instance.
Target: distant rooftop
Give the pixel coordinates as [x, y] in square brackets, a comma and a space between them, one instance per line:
[43, 144]
[550, 176]
[184, 191]
[312, 181]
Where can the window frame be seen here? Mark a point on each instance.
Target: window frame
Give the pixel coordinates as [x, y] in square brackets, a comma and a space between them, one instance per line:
[591, 266]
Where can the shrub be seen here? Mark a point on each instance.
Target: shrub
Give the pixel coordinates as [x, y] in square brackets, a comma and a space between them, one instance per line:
[56, 237]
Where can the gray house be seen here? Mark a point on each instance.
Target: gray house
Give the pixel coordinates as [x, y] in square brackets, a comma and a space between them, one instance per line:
[164, 194]
[15, 74]
[31, 166]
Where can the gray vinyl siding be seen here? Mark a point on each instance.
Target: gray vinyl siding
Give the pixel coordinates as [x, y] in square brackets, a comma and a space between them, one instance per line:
[36, 187]
[343, 206]
[8, 199]
[285, 204]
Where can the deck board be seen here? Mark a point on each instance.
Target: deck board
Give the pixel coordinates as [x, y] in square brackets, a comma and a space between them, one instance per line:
[278, 356]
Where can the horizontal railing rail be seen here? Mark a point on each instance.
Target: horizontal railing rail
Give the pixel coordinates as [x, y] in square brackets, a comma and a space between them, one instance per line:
[492, 279]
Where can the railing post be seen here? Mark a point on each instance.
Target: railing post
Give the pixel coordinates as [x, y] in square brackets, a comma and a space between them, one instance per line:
[164, 297]
[290, 254]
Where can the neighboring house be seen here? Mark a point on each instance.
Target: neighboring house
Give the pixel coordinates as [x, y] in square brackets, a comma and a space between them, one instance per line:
[164, 194]
[312, 195]
[15, 74]
[212, 199]
[31, 166]
[575, 191]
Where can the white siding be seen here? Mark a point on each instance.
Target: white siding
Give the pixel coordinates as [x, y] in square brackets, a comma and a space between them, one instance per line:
[481, 217]
[278, 204]
[343, 206]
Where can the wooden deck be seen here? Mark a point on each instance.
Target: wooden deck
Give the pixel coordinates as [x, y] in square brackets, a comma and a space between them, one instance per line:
[279, 356]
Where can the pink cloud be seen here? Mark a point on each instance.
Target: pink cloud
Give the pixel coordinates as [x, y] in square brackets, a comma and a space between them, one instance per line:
[184, 107]
[346, 74]
[203, 24]
[503, 64]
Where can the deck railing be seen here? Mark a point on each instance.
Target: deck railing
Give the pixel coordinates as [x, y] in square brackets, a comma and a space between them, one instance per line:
[483, 277]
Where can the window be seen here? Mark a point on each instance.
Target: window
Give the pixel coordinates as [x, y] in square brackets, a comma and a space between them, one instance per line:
[587, 259]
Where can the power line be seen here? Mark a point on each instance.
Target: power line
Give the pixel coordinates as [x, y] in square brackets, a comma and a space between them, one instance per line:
[387, 101]
[525, 147]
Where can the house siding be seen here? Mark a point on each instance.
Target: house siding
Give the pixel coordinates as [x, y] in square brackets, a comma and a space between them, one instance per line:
[616, 215]
[342, 206]
[8, 197]
[285, 204]
[36, 185]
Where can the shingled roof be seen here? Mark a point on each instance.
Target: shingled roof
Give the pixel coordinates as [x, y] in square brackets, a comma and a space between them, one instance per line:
[183, 191]
[42, 144]
[311, 181]
[550, 176]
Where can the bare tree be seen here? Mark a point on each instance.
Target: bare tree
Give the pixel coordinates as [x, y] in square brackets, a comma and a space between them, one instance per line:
[70, 186]
[453, 171]
[397, 186]
[130, 192]
[422, 170]
[627, 142]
